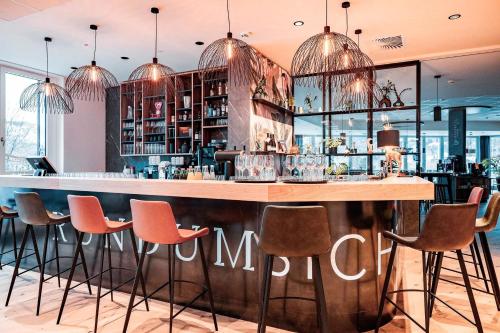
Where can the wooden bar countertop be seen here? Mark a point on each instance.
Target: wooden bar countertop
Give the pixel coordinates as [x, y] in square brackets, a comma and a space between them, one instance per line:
[393, 188]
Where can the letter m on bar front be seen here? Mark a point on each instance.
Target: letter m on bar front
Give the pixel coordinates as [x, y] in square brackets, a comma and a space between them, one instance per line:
[246, 242]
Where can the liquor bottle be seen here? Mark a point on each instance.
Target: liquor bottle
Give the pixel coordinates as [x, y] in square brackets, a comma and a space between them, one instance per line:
[210, 111]
[219, 89]
[212, 90]
[205, 108]
[226, 89]
[223, 107]
[197, 134]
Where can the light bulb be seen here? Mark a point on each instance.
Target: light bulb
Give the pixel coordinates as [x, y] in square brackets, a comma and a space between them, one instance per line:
[346, 60]
[155, 73]
[93, 74]
[229, 49]
[358, 85]
[47, 90]
[327, 45]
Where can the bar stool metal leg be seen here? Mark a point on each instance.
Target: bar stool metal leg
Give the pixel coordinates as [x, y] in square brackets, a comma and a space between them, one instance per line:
[266, 288]
[435, 281]
[84, 263]
[18, 262]
[207, 282]
[171, 278]
[35, 246]
[426, 302]
[477, 319]
[320, 295]
[138, 276]
[388, 273]
[141, 277]
[42, 269]
[490, 267]
[481, 264]
[108, 236]
[101, 267]
[56, 247]
[70, 277]
[14, 241]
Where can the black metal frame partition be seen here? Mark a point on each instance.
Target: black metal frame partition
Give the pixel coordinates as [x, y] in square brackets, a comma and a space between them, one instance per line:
[328, 116]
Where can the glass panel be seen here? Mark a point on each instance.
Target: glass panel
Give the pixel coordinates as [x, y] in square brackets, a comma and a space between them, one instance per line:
[432, 153]
[471, 149]
[24, 130]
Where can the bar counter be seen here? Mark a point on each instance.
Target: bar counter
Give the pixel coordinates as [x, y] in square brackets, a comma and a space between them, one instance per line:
[353, 272]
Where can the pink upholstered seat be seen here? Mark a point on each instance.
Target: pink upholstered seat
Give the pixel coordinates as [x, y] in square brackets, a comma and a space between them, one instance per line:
[154, 222]
[475, 195]
[87, 216]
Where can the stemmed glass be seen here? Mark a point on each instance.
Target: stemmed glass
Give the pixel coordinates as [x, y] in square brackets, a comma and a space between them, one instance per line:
[248, 165]
[300, 164]
[290, 162]
[269, 169]
[239, 164]
[258, 165]
[320, 166]
[310, 166]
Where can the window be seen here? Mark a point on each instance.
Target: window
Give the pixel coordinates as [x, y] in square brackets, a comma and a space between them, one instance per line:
[471, 149]
[24, 131]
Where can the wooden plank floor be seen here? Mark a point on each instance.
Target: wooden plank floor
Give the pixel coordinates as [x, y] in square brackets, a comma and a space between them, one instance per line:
[20, 317]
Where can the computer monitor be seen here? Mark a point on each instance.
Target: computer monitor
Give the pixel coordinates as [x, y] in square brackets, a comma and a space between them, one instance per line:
[41, 165]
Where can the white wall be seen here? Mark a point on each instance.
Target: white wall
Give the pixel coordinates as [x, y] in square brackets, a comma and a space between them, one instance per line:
[84, 144]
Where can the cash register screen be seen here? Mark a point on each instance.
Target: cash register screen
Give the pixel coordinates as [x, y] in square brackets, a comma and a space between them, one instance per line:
[41, 165]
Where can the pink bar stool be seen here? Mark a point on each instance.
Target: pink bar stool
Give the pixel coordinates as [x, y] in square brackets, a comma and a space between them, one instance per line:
[87, 217]
[154, 222]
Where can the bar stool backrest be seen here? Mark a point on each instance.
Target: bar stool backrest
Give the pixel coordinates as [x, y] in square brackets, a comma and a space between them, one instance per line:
[476, 195]
[31, 209]
[290, 231]
[86, 214]
[154, 222]
[490, 218]
[448, 228]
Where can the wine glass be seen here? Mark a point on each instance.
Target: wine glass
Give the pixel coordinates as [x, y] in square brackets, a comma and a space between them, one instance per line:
[290, 161]
[320, 166]
[258, 165]
[300, 164]
[239, 163]
[310, 166]
[269, 169]
[249, 165]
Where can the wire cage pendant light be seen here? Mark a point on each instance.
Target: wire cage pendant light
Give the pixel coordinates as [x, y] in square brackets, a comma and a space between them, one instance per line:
[156, 76]
[315, 58]
[45, 96]
[243, 62]
[91, 81]
[356, 92]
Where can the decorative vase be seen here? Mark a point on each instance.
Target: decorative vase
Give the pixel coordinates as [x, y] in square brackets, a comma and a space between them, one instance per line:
[187, 102]
[332, 151]
[384, 102]
[158, 106]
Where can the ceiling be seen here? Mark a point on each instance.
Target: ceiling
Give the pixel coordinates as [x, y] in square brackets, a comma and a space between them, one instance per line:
[126, 29]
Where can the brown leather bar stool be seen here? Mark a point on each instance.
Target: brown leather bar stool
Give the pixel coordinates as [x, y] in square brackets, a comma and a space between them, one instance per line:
[484, 224]
[289, 231]
[87, 217]
[8, 214]
[154, 222]
[32, 212]
[436, 236]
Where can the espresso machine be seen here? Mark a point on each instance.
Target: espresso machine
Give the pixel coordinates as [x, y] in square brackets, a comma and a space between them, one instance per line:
[226, 158]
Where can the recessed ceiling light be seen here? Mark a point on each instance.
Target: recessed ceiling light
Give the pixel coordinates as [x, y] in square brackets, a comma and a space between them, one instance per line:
[125, 58]
[451, 81]
[199, 43]
[73, 67]
[298, 23]
[454, 17]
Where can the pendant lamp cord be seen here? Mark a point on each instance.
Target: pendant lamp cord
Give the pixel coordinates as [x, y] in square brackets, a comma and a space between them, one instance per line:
[437, 91]
[156, 35]
[326, 12]
[228, 18]
[95, 42]
[346, 22]
[47, 58]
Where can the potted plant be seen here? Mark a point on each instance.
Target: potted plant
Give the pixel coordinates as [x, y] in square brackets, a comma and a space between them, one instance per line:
[308, 101]
[331, 144]
[260, 89]
[493, 165]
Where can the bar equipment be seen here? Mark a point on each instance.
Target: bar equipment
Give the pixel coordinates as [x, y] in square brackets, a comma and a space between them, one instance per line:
[227, 157]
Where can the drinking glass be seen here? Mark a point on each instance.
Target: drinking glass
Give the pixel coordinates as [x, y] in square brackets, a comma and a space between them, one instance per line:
[258, 165]
[290, 161]
[320, 166]
[249, 165]
[300, 164]
[310, 166]
[239, 164]
[269, 169]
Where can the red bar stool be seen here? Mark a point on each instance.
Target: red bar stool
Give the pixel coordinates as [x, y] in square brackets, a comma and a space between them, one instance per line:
[154, 222]
[8, 214]
[446, 228]
[32, 212]
[87, 217]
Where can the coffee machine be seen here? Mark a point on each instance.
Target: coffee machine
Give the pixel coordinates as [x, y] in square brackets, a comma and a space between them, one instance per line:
[226, 157]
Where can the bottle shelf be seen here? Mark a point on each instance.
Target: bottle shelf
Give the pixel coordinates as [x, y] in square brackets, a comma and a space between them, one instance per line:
[215, 97]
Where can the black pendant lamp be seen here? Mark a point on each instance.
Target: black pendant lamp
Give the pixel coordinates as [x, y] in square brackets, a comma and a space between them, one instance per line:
[243, 62]
[45, 96]
[315, 58]
[437, 108]
[91, 81]
[156, 77]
